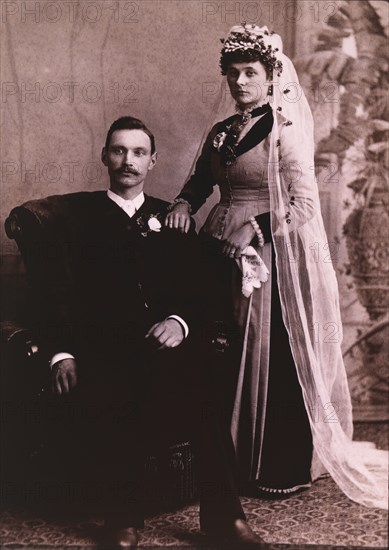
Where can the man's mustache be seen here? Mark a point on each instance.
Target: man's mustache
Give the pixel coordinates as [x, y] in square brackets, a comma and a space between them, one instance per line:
[129, 170]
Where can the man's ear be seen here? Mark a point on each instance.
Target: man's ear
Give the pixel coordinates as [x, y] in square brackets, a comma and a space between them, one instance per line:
[104, 156]
[153, 161]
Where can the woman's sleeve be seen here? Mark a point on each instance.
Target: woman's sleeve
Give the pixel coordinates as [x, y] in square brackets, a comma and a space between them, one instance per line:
[299, 188]
[263, 220]
[200, 185]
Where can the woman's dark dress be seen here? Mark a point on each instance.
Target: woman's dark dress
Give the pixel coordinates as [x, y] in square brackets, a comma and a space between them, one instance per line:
[269, 424]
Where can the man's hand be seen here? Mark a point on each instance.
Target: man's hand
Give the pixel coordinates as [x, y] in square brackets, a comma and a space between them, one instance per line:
[64, 376]
[238, 240]
[179, 218]
[166, 334]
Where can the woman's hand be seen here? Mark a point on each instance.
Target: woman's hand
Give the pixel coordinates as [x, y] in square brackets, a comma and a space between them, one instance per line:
[238, 240]
[179, 218]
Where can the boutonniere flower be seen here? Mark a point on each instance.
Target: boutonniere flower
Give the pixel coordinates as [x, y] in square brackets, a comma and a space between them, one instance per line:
[219, 140]
[154, 224]
[149, 224]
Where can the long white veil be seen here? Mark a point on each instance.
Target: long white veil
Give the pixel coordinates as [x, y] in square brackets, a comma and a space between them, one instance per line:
[310, 299]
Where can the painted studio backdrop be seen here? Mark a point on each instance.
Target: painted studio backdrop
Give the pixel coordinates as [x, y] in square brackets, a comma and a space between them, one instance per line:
[69, 68]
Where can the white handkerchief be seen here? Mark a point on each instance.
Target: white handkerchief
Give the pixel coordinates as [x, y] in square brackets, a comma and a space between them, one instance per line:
[254, 270]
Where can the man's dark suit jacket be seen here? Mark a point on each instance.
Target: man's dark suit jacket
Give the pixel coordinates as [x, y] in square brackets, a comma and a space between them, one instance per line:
[123, 278]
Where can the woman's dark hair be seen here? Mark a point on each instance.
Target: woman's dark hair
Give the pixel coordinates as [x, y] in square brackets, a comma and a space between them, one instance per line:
[243, 56]
[129, 123]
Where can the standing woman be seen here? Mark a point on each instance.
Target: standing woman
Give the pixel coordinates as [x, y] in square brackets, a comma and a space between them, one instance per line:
[272, 284]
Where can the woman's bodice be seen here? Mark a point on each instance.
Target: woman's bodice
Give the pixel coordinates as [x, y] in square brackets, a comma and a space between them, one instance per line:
[239, 167]
[244, 189]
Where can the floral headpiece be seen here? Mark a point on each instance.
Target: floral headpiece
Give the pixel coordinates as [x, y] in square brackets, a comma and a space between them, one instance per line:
[255, 39]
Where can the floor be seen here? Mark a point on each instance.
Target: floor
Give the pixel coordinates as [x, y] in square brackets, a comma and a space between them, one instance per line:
[321, 516]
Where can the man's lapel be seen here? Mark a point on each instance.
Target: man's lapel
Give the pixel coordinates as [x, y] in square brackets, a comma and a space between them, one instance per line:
[109, 212]
[110, 217]
[148, 208]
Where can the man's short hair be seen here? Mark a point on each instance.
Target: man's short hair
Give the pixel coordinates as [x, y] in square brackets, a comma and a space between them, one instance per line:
[129, 123]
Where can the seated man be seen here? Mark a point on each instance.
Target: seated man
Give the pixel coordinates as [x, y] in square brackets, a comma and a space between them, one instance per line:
[129, 345]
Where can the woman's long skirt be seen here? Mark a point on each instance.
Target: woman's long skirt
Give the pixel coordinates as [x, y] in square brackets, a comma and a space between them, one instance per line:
[257, 379]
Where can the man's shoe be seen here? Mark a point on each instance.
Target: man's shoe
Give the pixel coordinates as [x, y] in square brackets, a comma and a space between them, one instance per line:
[239, 533]
[122, 539]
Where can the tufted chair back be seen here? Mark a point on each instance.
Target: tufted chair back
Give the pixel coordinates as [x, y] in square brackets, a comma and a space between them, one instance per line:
[44, 231]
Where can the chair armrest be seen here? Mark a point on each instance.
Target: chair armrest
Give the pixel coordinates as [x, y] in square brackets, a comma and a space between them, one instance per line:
[12, 226]
[17, 337]
[25, 374]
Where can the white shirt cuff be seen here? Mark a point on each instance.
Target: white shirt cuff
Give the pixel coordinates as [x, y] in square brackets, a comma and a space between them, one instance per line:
[59, 357]
[182, 323]
[64, 355]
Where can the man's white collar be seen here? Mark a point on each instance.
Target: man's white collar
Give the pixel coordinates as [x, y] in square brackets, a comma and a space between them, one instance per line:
[137, 201]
